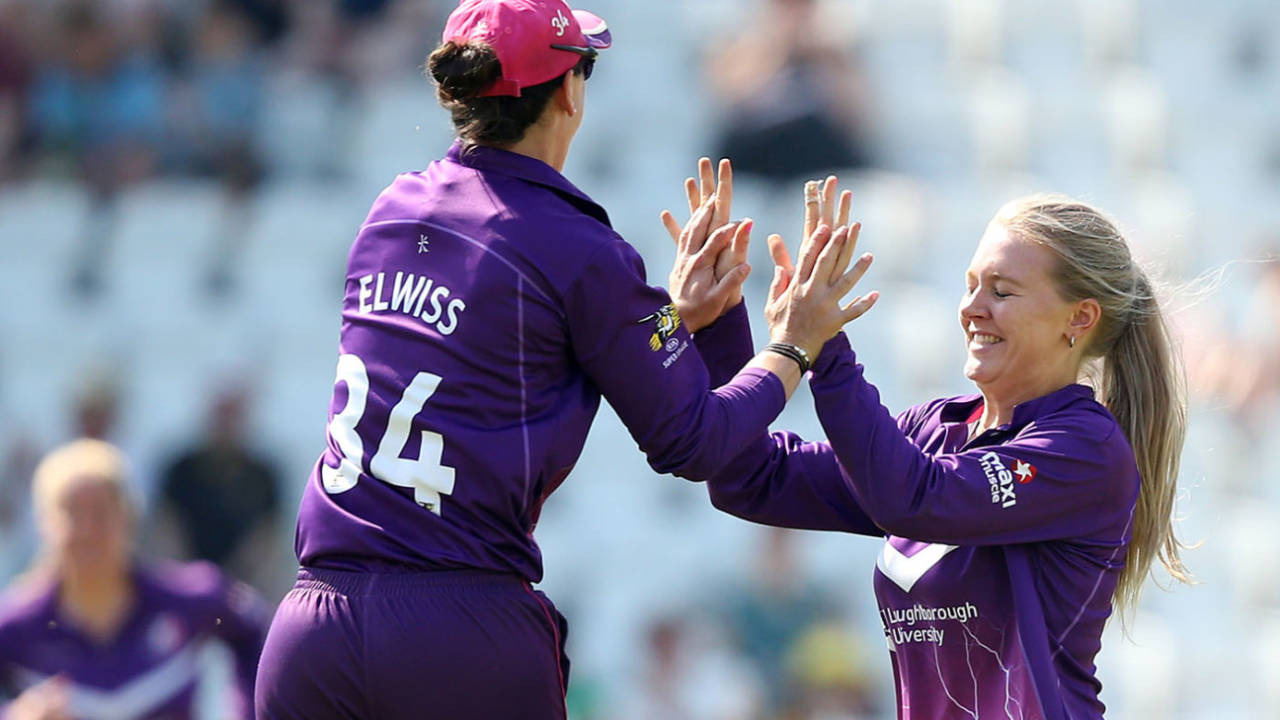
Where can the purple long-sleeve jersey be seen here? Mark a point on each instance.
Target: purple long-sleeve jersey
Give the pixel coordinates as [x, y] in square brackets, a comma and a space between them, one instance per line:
[1001, 553]
[150, 668]
[489, 305]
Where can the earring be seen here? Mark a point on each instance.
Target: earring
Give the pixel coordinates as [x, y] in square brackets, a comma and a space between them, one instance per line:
[1071, 341]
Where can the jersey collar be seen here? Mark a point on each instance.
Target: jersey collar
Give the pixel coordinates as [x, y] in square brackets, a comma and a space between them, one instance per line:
[960, 409]
[529, 169]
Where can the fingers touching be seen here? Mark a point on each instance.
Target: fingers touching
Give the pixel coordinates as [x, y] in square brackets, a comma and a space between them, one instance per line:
[781, 281]
[810, 249]
[716, 243]
[827, 248]
[846, 251]
[825, 268]
[741, 241]
[712, 183]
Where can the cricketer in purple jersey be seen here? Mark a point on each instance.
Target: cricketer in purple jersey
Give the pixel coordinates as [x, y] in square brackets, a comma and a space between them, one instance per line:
[1001, 552]
[150, 668]
[489, 304]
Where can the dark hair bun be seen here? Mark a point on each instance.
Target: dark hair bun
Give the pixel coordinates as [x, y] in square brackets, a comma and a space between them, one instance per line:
[462, 71]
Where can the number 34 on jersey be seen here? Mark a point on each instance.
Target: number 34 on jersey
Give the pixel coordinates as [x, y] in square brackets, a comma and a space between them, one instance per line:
[428, 478]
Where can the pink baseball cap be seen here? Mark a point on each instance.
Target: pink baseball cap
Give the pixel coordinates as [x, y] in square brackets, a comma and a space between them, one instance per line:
[535, 40]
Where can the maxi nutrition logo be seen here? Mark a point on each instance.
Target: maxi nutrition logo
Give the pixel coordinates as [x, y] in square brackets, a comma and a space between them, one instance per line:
[1002, 481]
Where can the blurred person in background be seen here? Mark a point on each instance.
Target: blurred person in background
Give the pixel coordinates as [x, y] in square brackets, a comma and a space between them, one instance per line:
[90, 632]
[1233, 364]
[1016, 519]
[218, 101]
[662, 690]
[97, 102]
[1261, 323]
[688, 674]
[16, 68]
[270, 19]
[96, 113]
[95, 414]
[793, 96]
[18, 457]
[1249, 373]
[363, 31]
[221, 497]
[96, 411]
[488, 306]
[769, 615]
[827, 667]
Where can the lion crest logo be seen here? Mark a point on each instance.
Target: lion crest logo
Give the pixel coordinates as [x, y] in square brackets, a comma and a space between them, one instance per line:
[666, 321]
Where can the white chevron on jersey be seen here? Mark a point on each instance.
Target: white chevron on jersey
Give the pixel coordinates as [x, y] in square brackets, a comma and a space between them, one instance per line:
[906, 571]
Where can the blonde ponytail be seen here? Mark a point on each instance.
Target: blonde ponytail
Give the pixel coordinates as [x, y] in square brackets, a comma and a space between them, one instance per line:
[1142, 385]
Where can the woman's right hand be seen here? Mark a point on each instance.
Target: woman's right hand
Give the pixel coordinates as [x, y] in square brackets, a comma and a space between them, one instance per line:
[699, 294]
[732, 260]
[804, 302]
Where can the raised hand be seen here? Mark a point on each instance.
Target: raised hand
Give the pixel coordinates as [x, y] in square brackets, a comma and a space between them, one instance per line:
[730, 262]
[804, 305]
[699, 295]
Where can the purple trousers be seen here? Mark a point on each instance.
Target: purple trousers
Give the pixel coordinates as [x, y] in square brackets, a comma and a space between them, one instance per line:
[462, 645]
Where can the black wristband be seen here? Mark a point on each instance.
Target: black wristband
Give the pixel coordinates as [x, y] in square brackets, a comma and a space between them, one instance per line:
[795, 352]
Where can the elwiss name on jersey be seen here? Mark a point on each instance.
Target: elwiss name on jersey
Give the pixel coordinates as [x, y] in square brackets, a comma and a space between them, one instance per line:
[414, 295]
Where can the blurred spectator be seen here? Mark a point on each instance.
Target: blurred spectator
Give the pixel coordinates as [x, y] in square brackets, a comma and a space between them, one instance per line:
[97, 407]
[98, 105]
[794, 98]
[1261, 323]
[90, 632]
[662, 671]
[96, 112]
[17, 535]
[94, 414]
[15, 81]
[363, 9]
[219, 498]
[218, 100]
[688, 676]
[828, 667]
[269, 19]
[1236, 359]
[768, 616]
[218, 106]
[19, 460]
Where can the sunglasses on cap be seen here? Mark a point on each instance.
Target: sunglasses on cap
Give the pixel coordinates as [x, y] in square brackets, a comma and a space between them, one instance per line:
[589, 53]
